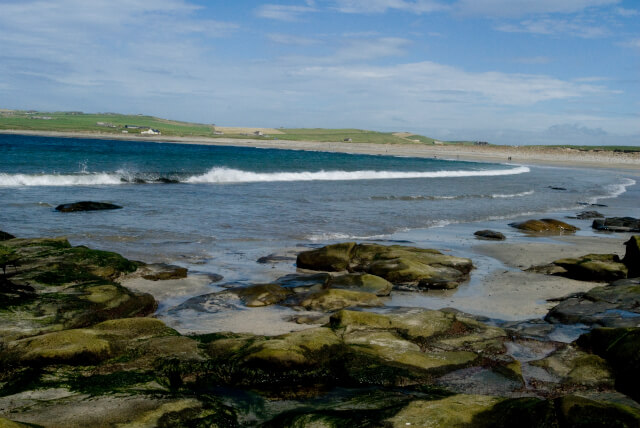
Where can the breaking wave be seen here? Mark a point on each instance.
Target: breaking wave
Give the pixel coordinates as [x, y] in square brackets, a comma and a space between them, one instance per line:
[229, 175]
[441, 198]
[226, 175]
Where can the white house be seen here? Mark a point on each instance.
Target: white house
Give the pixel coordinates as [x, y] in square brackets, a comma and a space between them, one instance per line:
[151, 132]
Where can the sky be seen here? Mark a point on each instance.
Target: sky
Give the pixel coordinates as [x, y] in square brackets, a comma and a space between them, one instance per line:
[504, 71]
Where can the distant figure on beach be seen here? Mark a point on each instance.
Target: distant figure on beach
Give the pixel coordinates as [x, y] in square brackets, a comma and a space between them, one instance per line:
[509, 157]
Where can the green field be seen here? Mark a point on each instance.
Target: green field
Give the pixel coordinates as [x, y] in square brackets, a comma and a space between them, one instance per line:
[626, 149]
[75, 121]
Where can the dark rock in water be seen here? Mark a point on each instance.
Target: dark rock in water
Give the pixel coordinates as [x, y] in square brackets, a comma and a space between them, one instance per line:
[165, 180]
[4, 236]
[609, 306]
[214, 277]
[546, 226]
[632, 256]
[333, 299]
[138, 180]
[163, 272]
[400, 265]
[86, 206]
[275, 258]
[557, 188]
[617, 224]
[621, 348]
[303, 283]
[490, 234]
[587, 215]
[262, 294]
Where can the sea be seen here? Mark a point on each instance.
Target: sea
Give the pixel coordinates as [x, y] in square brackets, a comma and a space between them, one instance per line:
[218, 209]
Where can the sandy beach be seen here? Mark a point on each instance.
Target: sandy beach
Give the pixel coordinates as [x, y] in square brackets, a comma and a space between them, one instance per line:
[512, 154]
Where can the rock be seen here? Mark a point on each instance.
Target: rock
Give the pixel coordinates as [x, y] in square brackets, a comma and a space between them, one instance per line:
[557, 188]
[304, 283]
[57, 286]
[165, 180]
[577, 368]
[362, 282]
[6, 423]
[411, 267]
[332, 258]
[610, 306]
[575, 411]
[588, 215]
[456, 411]
[86, 206]
[4, 236]
[593, 267]
[632, 256]
[490, 234]
[334, 299]
[163, 272]
[617, 224]
[621, 348]
[275, 258]
[546, 226]
[262, 294]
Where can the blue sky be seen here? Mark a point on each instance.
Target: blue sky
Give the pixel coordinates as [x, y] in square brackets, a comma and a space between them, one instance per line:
[506, 71]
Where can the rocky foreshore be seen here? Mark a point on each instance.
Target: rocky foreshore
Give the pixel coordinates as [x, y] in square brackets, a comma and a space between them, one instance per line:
[79, 349]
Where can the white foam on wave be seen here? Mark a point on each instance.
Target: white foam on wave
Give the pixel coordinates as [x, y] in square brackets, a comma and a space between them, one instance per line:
[512, 195]
[228, 175]
[14, 180]
[614, 190]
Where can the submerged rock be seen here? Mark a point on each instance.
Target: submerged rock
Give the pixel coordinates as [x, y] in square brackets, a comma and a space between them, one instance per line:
[588, 215]
[163, 272]
[407, 266]
[617, 224]
[261, 294]
[490, 234]
[86, 206]
[304, 283]
[546, 226]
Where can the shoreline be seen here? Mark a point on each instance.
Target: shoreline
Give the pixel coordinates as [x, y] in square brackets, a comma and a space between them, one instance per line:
[549, 156]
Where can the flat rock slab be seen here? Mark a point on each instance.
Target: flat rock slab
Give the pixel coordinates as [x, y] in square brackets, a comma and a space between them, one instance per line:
[86, 206]
[490, 235]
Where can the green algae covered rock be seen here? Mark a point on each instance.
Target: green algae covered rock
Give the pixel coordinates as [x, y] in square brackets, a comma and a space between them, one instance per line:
[593, 267]
[545, 226]
[57, 286]
[457, 411]
[330, 258]
[575, 411]
[578, 368]
[620, 347]
[407, 266]
[262, 294]
[335, 299]
[362, 282]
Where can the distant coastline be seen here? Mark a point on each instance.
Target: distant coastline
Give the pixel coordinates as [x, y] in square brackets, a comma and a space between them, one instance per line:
[553, 156]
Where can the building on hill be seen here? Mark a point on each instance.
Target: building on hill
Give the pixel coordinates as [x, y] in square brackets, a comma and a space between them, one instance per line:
[151, 131]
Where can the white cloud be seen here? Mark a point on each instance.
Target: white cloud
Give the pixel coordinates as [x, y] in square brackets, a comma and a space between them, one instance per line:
[633, 43]
[368, 49]
[533, 60]
[284, 12]
[578, 27]
[626, 12]
[516, 8]
[289, 39]
[380, 6]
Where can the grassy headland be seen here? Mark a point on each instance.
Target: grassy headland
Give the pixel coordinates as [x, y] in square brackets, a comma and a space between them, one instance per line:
[122, 125]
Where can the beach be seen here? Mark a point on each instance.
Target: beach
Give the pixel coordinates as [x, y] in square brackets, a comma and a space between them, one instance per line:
[267, 281]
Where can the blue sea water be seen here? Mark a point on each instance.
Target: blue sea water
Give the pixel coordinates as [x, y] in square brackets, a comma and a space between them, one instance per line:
[228, 206]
